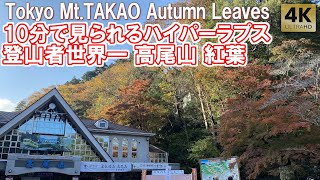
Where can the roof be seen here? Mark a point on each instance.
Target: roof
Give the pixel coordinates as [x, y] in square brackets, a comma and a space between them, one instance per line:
[5, 117]
[114, 128]
[155, 149]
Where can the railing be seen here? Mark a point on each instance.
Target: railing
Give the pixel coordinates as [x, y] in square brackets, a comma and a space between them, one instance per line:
[158, 157]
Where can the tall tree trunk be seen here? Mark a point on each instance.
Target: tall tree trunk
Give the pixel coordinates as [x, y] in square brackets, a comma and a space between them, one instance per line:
[213, 123]
[211, 116]
[202, 106]
[201, 101]
[177, 103]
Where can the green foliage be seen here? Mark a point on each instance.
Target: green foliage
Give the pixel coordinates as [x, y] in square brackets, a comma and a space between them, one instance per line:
[203, 148]
[74, 80]
[91, 74]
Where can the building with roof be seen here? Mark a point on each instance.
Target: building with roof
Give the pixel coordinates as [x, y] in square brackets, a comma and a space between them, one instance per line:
[49, 141]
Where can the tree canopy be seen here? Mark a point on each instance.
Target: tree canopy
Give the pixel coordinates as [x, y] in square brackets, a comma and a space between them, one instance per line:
[267, 114]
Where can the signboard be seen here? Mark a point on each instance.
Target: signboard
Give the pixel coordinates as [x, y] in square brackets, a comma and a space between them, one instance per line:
[24, 164]
[219, 168]
[168, 175]
[30, 163]
[298, 17]
[163, 172]
[45, 142]
[149, 166]
[172, 177]
[105, 167]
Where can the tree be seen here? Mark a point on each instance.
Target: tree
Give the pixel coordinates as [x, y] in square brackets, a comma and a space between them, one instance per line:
[22, 105]
[74, 80]
[202, 149]
[37, 95]
[135, 108]
[267, 113]
[91, 74]
[264, 128]
[77, 97]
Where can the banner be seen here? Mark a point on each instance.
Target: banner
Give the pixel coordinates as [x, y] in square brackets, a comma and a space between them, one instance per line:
[105, 167]
[147, 166]
[163, 172]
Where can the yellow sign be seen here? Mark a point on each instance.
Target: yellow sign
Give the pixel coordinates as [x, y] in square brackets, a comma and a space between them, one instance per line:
[298, 17]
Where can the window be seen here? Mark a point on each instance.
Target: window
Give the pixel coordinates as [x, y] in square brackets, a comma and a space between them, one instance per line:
[103, 141]
[47, 135]
[21, 140]
[103, 124]
[125, 148]
[115, 147]
[48, 126]
[134, 149]
[158, 157]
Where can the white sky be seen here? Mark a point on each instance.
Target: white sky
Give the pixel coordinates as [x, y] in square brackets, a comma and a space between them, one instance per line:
[7, 105]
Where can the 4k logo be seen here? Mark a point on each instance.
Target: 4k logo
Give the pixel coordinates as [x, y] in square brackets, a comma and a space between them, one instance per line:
[298, 17]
